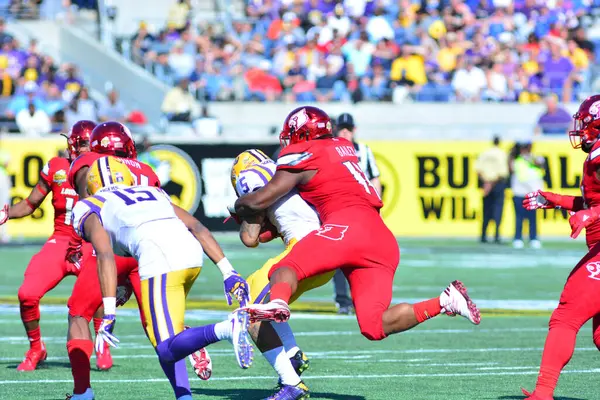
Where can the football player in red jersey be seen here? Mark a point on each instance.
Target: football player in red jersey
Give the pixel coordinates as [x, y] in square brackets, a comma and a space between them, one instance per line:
[352, 237]
[579, 300]
[48, 267]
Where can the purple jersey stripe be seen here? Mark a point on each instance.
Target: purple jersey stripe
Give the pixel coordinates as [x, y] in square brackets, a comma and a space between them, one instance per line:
[261, 176]
[152, 313]
[263, 294]
[163, 291]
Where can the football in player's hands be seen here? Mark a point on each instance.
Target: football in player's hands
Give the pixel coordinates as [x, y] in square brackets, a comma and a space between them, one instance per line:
[124, 293]
[4, 214]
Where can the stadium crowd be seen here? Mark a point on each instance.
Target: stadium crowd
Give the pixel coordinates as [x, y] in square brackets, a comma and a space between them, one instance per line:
[428, 50]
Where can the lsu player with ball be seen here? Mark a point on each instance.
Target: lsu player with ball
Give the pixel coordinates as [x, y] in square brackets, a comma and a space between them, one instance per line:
[49, 266]
[352, 237]
[291, 218]
[141, 221]
[579, 300]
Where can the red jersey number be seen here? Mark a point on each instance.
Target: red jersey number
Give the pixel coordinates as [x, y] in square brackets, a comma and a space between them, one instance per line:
[360, 177]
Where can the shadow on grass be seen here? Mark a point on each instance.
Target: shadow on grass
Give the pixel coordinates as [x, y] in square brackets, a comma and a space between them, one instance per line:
[252, 394]
[43, 365]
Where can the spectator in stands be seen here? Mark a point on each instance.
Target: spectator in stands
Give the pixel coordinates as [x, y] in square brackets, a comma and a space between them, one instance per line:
[112, 109]
[31, 69]
[497, 84]
[557, 69]
[329, 86]
[55, 104]
[378, 27]
[21, 101]
[179, 14]
[555, 120]
[81, 107]
[7, 83]
[72, 82]
[141, 43]
[33, 122]
[162, 69]
[179, 105]
[376, 87]
[469, 81]
[181, 63]
[4, 36]
[359, 53]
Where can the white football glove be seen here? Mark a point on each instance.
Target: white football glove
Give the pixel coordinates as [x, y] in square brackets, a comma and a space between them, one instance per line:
[4, 214]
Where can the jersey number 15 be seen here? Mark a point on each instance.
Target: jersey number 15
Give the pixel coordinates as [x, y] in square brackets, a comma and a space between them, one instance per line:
[139, 195]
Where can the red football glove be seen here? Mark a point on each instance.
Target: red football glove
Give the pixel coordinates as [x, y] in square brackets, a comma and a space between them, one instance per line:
[582, 219]
[232, 215]
[4, 214]
[539, 199]
[73, 256]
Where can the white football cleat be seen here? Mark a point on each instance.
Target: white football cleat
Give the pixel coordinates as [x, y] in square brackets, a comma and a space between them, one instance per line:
[518, 244]
[535, 244]
[244, 352]
[455, 300]
[202, 364]
[87, 395]
[275, 310]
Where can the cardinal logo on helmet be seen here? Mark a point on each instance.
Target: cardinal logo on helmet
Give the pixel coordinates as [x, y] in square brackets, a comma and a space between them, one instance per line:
[595, 109]
[298, 120]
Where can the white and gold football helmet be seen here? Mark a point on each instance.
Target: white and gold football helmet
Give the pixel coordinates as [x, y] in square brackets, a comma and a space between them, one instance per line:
[244, 160]
[108, 172]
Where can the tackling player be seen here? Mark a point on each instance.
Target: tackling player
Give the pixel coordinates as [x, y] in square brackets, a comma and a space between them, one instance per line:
[141, 221]
[292, 219]
[49, 266]
[579, 300]
[352, 237]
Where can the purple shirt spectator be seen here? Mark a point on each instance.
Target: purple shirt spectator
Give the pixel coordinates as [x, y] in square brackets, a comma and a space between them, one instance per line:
[555, 120]
[557, 71]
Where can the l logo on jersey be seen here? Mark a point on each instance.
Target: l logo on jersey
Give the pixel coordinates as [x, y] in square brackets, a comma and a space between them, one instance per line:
[594, 270]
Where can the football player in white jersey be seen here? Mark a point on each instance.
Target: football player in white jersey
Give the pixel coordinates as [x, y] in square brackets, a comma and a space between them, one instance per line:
[291, 218]
[140, 221]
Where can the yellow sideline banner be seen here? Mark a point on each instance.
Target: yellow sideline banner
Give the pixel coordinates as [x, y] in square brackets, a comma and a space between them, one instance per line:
[431, 188]
[27, 158]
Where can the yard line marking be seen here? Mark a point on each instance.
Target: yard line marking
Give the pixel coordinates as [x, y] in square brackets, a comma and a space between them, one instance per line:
[312, 377]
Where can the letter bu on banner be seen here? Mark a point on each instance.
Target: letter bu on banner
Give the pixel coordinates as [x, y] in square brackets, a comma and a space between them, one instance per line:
[27, 158]
[431, 189]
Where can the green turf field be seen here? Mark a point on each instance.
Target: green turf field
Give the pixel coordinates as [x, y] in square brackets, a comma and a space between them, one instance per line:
[446, 358]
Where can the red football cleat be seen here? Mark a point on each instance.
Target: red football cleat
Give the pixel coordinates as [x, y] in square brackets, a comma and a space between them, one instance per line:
[534, 396]
[32, 358]
[104, 361]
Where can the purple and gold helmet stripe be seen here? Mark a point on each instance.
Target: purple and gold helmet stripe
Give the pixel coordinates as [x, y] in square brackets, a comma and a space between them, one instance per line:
[258, 154]
[267, 170]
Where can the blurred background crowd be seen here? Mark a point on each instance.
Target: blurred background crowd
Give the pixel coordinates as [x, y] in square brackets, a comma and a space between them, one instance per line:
[378, 50]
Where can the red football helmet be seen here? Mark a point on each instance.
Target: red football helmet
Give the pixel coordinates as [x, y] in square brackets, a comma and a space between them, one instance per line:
[113, 138]
[79, 136]
[586, 124]
[303, 124]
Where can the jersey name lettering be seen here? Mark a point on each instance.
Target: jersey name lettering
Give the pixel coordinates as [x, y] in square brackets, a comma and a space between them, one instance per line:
[68, 192]
[131, 163]
[345, 151]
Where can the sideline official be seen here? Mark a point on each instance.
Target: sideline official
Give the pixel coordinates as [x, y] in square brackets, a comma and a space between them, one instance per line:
[345, 128]
[492, 169]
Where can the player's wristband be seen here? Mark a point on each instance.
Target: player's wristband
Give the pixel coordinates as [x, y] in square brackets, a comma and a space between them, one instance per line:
[110, 305]
[225, 267]
[31, 206]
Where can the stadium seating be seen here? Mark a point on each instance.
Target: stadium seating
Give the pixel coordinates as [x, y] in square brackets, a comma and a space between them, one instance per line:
[378, 50]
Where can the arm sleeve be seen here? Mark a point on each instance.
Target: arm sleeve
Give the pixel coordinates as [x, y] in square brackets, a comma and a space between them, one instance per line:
[300, 161]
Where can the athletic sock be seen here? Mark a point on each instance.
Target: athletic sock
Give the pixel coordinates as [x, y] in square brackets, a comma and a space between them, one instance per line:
[280, 362]
[35, 338]
[80, 351]
[427, 309]
[223, 329]
[284, 331]
[185, 343]
[558, 350]
[281, 291]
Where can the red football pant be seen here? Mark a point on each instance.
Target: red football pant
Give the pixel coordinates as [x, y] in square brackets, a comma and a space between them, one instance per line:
[367, 253]
[45, 270]
[86, 297]
[579, 302]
